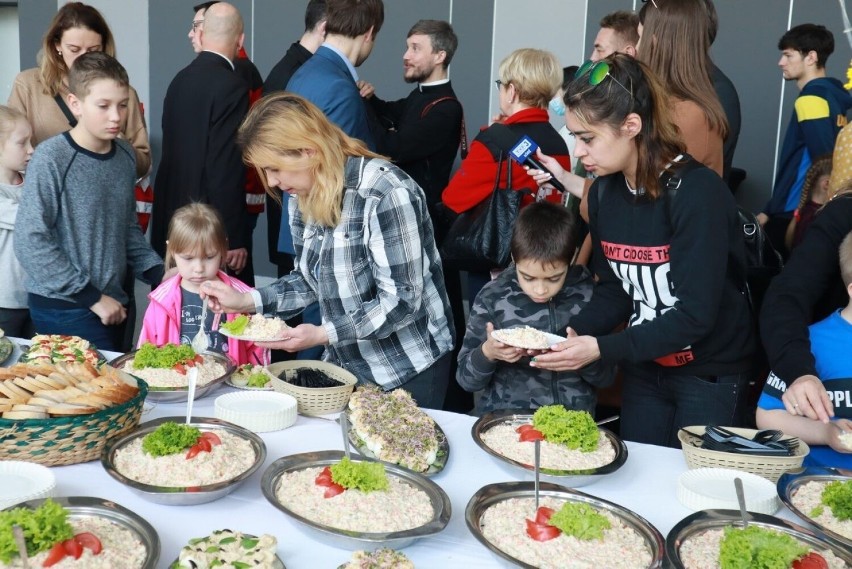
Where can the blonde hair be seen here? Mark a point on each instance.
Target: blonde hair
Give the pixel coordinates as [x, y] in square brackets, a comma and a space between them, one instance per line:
[288, 132]
[52, 68]
[9, 117]
[196, 227]
[535, 74]
[845, 254]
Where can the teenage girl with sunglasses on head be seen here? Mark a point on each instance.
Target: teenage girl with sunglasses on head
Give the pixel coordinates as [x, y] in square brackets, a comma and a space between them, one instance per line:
[672, 266]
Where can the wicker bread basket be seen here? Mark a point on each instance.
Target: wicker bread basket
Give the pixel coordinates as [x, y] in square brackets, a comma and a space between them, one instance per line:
[769, 467]
[315, 400]
[69, 440]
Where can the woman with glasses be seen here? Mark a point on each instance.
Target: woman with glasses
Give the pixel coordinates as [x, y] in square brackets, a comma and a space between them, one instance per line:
[40, 92]
[365, 252]
[529, 78]
[669, 255]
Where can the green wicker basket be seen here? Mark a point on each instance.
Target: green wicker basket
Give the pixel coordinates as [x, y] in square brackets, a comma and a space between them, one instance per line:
[69, 440]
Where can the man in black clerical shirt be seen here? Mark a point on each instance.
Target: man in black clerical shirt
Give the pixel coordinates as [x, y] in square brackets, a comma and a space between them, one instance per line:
[422, 134]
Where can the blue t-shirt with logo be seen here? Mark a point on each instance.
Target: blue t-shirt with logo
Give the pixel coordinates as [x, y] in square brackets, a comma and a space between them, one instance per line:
[831, 344]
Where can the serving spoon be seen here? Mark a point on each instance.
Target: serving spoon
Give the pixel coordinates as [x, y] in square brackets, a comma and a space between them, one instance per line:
[537, 469]
[192, 376]
[18, 533]
[738, 484]
[344, 428]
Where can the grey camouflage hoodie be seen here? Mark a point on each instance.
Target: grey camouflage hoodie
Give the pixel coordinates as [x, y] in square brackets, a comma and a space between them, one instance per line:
[517, 385]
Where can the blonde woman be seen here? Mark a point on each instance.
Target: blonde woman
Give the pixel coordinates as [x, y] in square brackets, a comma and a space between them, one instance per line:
[76, 29]
[529, 79]
[365, 251]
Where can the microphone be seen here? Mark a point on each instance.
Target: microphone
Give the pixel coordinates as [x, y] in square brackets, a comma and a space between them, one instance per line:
[523, 152]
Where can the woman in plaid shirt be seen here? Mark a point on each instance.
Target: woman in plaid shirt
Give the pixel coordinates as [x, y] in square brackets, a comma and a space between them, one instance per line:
[365, 252]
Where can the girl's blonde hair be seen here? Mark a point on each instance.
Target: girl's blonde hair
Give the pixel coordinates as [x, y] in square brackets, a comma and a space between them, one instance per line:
[51, 66]
[288, 132]
[196, 228]
[535, 73]
[9, 117]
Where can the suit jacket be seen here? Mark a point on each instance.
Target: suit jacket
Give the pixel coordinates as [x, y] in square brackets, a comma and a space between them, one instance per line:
[326, 82]
[280, 75]
[204, 106]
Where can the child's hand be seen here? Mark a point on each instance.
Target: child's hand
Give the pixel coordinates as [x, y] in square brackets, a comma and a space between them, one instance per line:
[109, 310]
[300, 338]
[494, 350]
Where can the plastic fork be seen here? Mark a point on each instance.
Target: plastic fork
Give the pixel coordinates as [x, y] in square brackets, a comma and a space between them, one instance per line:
[201, 342]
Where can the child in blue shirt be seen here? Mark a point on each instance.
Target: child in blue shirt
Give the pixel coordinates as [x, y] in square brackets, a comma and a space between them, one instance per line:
[831, 340]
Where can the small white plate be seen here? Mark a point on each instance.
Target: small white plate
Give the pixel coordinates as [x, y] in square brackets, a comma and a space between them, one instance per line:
[250, 338]
[22, 481]
[551, 338]
[713, 488]
[267, 387]
[258, 411]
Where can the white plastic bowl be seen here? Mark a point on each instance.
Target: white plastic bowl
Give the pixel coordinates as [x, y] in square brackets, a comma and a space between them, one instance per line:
[714, 489]
[23, 481]
[257, 411]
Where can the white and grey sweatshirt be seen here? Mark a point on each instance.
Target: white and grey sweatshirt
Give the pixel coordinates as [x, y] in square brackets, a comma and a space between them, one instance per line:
[76, 232]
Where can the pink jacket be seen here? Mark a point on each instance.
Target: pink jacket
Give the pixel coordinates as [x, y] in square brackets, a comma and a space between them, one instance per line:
[161, 324]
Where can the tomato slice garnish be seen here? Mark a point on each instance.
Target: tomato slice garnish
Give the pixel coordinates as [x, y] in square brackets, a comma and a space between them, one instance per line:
[531, 435]
[812, 560]
[73, 548]
[333, 490]
[213, 438]
[542, 515]
[193, 450]
[180, 368]
[324, 480]
[541, 532]
[90, 541]
[57, 554]
[204, 444]
[198, 359]
[524, 428]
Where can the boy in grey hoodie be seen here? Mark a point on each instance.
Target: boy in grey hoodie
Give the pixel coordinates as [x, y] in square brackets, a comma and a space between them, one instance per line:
[77, 232]
[541, 290]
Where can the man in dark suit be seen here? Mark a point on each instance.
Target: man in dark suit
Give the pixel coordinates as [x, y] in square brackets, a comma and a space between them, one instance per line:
[203, 108]
[277, 80]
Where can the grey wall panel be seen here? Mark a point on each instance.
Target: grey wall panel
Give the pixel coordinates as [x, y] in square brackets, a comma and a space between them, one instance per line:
[33, 20]
[471, 68]
[277, 24]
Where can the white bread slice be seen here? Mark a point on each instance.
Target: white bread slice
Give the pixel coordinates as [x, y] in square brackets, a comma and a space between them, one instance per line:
[19, 415]
[5, 391]
[70, 409]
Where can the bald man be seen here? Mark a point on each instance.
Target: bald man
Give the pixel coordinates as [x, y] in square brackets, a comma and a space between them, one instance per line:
[204, 106]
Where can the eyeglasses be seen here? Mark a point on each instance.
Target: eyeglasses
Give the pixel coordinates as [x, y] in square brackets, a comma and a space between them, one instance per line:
[196, 24]
[498, 83]
[653, 3]
[597, 72]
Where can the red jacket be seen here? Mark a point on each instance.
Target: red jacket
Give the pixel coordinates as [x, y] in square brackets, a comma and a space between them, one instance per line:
[474, 180]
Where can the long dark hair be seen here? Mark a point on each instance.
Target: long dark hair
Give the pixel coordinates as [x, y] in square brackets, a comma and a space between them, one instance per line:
[659, 142]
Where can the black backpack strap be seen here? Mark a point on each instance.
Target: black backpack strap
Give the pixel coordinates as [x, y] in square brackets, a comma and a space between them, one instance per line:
[72, 120]
[463, 134]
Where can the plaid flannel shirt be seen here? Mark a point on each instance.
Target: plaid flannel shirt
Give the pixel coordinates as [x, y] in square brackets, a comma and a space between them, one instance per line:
[377, 277]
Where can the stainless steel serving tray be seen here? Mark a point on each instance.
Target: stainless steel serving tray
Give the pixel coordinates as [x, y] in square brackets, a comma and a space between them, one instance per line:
[190, 495]
[791, 481]
[492, 494]
[717, 519]
[177, 394]
[572, 478]
[352, 539]
[440, 461]
[84, 506]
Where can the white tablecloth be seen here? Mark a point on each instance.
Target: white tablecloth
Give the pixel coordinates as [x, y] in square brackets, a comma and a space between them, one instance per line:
[646, 484]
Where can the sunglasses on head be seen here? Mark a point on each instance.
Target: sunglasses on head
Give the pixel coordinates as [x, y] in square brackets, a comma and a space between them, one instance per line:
[597, 71]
